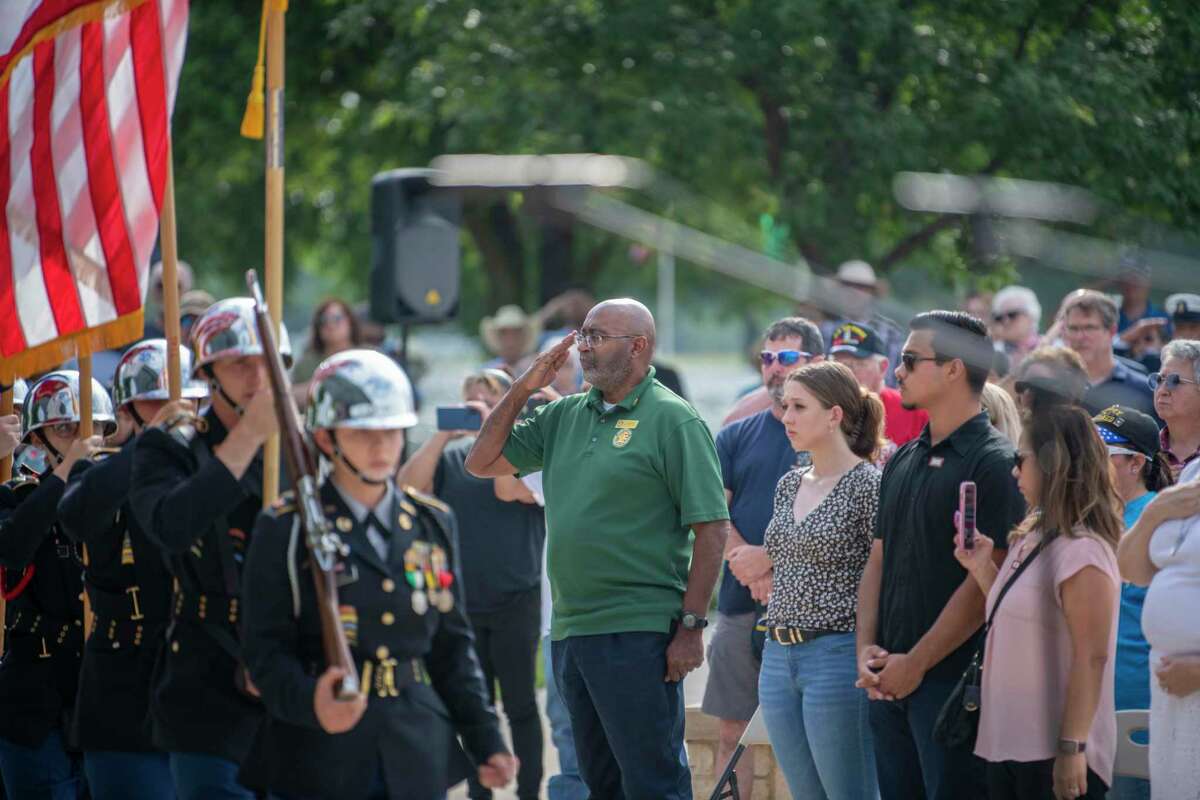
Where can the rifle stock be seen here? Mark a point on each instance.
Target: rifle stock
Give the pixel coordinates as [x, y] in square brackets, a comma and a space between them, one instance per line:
[323, 543]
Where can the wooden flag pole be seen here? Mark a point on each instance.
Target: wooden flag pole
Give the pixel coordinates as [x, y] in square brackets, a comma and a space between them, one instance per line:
[170, 280]
[274, 208]
[85, 431]
[6, 408]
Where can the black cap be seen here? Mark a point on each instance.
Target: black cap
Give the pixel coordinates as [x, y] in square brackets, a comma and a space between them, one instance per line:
[1129, 429]
[857, 340]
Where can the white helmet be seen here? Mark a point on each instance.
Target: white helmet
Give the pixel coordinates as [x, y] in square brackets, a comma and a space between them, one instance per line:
[360, 389]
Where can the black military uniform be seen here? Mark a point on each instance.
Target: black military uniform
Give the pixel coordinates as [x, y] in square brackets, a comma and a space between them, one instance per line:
[130, 590]
[419, 670]
[190, 505]
[43, 613]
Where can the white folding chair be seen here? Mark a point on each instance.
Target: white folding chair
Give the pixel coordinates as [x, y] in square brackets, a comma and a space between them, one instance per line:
[1133, 758]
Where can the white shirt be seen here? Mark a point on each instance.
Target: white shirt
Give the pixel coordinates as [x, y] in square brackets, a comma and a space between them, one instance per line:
[382, 511]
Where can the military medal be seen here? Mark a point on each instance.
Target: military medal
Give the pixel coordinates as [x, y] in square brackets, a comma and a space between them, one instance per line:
[442, 578]
[420, 604]
[412, 574]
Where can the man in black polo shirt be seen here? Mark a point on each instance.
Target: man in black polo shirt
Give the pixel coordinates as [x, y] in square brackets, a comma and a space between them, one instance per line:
[918, 612]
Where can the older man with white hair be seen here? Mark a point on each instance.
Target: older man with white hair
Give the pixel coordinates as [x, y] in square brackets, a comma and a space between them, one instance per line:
[1016, 314]
[1177, 401]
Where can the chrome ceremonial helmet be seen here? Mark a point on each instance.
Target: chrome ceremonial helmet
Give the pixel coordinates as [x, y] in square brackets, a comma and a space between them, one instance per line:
[228, 330]
[141, 374]
[359, 389]
[54, 400]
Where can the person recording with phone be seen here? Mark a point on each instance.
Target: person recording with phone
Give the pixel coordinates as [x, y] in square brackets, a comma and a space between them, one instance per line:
[501, 545]
[1047, 722]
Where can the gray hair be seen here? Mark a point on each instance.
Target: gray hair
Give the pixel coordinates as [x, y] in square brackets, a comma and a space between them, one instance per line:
[804, 329]
[1021, 296]
[1185, 349]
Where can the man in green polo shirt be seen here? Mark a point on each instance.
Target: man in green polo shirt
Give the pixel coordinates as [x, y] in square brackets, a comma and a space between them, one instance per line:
[629, 473]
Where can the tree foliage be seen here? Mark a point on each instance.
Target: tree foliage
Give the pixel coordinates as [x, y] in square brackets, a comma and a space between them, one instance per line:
[802, 112]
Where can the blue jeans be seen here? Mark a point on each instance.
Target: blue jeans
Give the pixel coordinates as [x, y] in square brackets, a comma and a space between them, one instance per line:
[46, 772]
[910, 764]
[112, 775]
[204, 777]
[817, 719]
[1126, 788]
[567, 784]
[626, 720]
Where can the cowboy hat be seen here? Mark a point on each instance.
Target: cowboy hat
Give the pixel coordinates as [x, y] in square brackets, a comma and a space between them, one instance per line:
[508, 318]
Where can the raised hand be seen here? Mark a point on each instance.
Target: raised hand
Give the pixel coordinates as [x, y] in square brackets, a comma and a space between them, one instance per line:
[545, 367]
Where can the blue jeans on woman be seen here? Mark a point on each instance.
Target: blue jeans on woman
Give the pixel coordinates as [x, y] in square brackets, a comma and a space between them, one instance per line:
[817, 719]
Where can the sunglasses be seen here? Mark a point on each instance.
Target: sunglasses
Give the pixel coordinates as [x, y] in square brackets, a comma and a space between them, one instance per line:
[1006, 316]
[1172, 381]
[910, 360]
[786, 358]
[331, 316]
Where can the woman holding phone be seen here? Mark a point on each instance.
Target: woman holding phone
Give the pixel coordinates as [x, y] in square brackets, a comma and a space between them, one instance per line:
[1047, 724]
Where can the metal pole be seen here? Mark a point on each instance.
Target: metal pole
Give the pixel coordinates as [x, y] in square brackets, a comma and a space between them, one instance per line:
[666, 303]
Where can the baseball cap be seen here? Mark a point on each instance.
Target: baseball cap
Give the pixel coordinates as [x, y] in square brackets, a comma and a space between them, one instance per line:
[1127, 431]
[1184, 307]
[857, 340]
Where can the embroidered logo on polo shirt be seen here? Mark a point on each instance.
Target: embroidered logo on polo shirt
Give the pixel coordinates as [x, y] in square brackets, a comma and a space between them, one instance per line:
[622, 438]
[936, 461]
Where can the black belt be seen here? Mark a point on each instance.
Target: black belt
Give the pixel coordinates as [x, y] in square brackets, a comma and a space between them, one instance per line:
[784, 634]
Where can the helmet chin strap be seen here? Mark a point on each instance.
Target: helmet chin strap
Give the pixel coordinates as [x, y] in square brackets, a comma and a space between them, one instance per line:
[338, 454]
[58, 457]
[238, 408]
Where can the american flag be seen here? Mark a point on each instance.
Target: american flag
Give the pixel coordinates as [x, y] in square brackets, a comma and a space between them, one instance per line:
[86, 92]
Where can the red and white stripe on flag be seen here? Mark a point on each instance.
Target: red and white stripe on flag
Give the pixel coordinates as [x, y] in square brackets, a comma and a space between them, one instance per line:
[86, 92]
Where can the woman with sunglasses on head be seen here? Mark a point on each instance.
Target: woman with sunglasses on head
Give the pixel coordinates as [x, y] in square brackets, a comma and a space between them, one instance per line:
[1047, 726]
[40, 574]
[1050, 376]
[1177, 401]
[818, 541]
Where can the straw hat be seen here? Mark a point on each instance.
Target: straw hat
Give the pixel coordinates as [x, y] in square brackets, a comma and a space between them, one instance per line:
[508, 318]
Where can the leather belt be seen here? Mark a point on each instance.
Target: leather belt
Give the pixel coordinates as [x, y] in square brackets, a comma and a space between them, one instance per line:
[787, 635]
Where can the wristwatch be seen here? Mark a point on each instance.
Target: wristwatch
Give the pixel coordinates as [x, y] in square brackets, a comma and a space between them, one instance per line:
[1071, 747]
[692, 622]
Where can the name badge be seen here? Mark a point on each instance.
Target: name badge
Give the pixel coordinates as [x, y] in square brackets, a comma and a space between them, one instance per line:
[936, 461]
[626, 424]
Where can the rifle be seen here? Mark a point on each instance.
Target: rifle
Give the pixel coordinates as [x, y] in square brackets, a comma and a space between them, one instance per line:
[324, 545]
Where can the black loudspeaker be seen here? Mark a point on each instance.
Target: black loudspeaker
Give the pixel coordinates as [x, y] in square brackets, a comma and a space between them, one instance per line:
[414, 248]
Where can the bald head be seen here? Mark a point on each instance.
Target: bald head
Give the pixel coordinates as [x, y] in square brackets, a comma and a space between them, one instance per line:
[626, 316]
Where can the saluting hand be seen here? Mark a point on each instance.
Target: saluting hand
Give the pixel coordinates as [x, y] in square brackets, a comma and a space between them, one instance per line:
[545, 367]
[499, 770]
[258, 419]
[336, 716]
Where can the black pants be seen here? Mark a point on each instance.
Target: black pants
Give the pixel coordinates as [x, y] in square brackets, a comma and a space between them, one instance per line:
[506, 642]
[1033, 780]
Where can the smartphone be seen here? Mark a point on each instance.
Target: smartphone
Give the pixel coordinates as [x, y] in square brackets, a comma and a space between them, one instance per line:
[966, 513]
[458, 418]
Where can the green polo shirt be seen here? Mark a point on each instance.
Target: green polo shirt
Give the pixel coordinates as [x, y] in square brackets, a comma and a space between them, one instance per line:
[623, 488]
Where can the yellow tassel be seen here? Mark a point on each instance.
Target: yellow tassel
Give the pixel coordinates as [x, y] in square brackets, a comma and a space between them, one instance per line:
[252, 120]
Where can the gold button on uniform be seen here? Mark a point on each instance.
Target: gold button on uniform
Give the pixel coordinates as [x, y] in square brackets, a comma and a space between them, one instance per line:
[382, 653]
[174, 647]
[389, 585]
[388, 618]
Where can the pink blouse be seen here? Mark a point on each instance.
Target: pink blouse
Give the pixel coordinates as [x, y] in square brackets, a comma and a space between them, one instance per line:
[1028, 657]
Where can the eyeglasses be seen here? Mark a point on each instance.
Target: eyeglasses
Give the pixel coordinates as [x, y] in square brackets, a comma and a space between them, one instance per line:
[910, 360]
[1006, 316]
[786, 358]
[1171, 381]
[67, 430]
[331, 316]
[597, 339]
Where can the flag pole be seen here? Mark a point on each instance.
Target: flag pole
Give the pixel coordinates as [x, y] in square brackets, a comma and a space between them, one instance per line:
[85, 431]
[274, 208]
[170, 275]
[7, 392]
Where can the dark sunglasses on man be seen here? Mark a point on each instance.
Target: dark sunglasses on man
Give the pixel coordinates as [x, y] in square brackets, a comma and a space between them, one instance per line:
[1006, 316]
[786, 358]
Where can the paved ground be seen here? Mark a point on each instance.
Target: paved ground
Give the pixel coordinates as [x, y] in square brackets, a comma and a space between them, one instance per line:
[549, 759]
